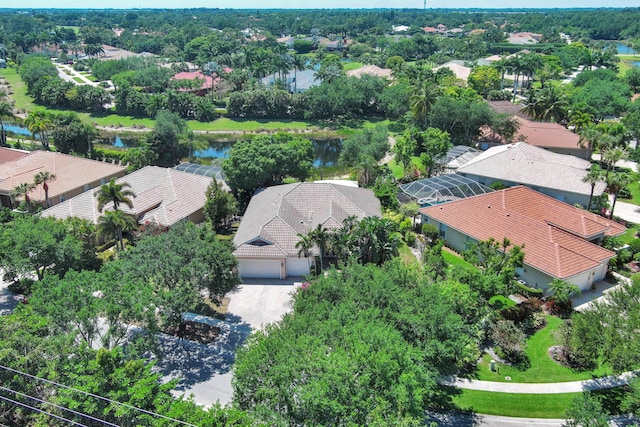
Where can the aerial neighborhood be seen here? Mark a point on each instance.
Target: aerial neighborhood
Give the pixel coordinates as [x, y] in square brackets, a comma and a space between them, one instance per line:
[319, 217]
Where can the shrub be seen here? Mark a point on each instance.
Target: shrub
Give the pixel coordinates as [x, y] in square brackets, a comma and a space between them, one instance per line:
[498, 95]
[22, 286]
[511, 341]
[528, 291]
[410, 238]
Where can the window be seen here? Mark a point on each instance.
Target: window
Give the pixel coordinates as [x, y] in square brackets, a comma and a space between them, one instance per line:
[443, 231]
[87, 187]
[61, 198]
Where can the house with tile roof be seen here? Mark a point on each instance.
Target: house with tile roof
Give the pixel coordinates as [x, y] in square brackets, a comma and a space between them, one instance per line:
[550, 136]
[163, 196]
[74, 175]
[559, 239]
[556, 175]
[266, 239]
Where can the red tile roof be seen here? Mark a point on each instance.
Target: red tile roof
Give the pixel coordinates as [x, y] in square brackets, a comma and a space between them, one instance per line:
[547, 135]
[9, 154]
[553, 233]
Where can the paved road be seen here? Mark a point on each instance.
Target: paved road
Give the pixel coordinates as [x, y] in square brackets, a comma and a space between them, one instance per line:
[457, 419]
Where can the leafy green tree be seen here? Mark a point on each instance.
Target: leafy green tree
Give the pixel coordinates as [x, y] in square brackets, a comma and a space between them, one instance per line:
[499, 258]
[461, 117]
[484, 79]
[266, 160]
[139, 157]
[41, 245]
[372, 141]
[70, 134]
[165, 139]
[586, 411]
[377, 240]
[220, 205]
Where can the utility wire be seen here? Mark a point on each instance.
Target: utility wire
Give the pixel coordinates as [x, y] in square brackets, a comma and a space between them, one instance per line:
[42, 411]
[58, 406]
[96, 396]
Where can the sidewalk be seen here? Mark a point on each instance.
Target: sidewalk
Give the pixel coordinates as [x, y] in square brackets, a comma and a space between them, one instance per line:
[540, 388]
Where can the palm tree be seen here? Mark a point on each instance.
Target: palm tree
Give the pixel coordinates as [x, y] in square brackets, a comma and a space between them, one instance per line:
[579, 120]
[561, 291]
[377, 240]
[590, 137]
[423, 98]
[501, 66]
[554, 104]
[304, 246]
[612, 155]
[22, 190]
[114, 193]
[299, 63]
[115, 223]
[42, 178]
[593, 178]
[39, 123]
[5, 111]
[617, 181]
[320, 236]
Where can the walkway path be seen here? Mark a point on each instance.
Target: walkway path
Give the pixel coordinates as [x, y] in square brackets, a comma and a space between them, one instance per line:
[540, 388]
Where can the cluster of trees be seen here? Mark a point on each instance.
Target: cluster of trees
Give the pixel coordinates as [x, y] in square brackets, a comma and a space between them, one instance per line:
[44, 84]
[266, 160]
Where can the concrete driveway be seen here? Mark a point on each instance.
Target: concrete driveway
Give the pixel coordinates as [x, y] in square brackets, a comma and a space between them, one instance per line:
[205, 370]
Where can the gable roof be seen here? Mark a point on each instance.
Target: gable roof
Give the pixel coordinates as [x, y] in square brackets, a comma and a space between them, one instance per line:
[277, 214]
[548, 135]
[526, 164]
[553, 232]
[372, 70]
[459, 70]
[163, 196]
[71, 172]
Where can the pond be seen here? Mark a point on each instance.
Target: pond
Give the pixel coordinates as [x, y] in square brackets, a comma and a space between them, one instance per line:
[16, 129]
[327, 151]
[624, 49]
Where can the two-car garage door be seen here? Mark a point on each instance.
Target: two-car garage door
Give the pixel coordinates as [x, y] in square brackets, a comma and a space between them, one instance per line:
[259, 268]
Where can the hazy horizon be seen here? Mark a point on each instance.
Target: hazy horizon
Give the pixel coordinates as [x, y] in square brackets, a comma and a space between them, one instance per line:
[324, 4]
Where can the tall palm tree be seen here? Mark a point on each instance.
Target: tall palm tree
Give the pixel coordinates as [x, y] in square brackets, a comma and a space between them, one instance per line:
[590, 137]
[554, 104]
[320, 236]
[612, 155]
[299, 63]
[39, 124]
[42, 178]
[422, 99]
[304, 246]
[115, 193]
[593, 178]
[617, 181]
[579, 120]
[115, 223]
[501, 66]
[6, 111]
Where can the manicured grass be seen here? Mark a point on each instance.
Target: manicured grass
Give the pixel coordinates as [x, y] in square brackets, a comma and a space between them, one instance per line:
[629, 235]
[78, 80]
[249, 125]
[90, 77]
[543, 369]
[23, 101]
[398, 170]
[454, 260]
[515, 405]
[348, 66]
[499, 302]
[407, 256]
[634, 189]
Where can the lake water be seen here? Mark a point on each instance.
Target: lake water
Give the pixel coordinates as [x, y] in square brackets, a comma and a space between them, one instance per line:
[624, 49]
[327, 151]
[17, 129]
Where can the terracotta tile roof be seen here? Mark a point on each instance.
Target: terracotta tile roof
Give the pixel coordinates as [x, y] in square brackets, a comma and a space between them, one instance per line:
[163, 196]
[553, 232]
[530, 165]
[277, 214]
[547, 135]
[9, 154]
[71, 172]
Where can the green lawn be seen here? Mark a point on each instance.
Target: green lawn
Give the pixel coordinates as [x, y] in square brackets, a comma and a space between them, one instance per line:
[634, 189]
[348, 66]
[398, 170]
[453, 259]
[543, 369]
[225, 124]
[499, 302]
[407, 256]
[78, 80]
[514, 405]
[629, 235]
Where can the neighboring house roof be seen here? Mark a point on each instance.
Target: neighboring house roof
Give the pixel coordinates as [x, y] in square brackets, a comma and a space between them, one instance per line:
[71, 172]
[458, 69]
[400, 28]
[111, 52]
[372, 70]
[507, 107]
[10, 154]
[548, 135]
[207, 81]
[553, 233]
[163, 196]
[276, 215]
[430, 30]
[458, 156]
[529, 165]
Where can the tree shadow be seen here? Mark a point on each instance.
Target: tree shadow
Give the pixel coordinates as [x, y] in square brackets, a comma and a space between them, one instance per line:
[194, 363]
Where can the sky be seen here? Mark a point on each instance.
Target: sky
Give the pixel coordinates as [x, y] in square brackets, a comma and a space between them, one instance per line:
[317, 4]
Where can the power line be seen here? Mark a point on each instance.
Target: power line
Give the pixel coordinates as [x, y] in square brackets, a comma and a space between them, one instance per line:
[41, 411]
[97, 396]
[58, 406]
